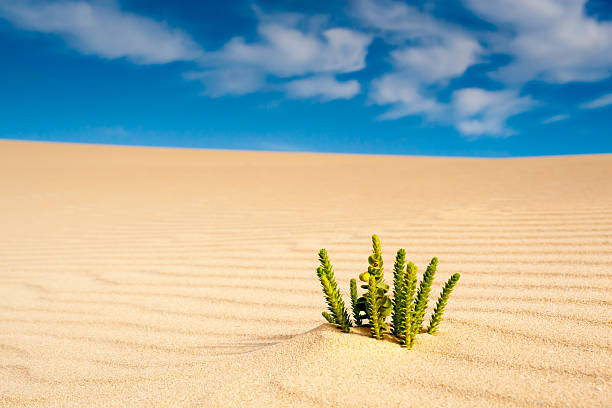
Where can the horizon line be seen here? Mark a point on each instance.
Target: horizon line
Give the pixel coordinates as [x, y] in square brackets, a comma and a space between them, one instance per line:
[263, 150]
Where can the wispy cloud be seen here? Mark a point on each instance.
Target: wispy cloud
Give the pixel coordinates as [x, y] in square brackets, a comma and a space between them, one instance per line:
[600, 102]
[474, 112]
[429, 53]
[428, 49]
[301, 52]
[322, 87]
[294, 47]
[549, 40]
[404, 94]
[295, 44]
[228, 81]
[556, 118]
[481, 112]
[308, 56]
[104, 30]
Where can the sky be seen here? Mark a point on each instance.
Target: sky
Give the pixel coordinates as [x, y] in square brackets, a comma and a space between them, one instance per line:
[476, 78]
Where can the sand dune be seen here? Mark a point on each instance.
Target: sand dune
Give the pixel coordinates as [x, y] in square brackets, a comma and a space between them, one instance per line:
[166, 277]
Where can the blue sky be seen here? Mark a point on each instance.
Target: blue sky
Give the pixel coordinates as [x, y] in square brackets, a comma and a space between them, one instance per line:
[456, 77]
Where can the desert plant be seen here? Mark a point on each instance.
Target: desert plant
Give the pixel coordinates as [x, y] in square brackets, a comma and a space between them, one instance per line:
[404, 286]
[399, 291]
[338, 314]
[415, 312]
[434, 322]
[354, 299]
[328, 317]
[408, 306]
[406, 311]
[410, 280]
[377, 303]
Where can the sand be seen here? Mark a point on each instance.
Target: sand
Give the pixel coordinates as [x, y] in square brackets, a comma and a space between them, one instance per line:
[137, 276]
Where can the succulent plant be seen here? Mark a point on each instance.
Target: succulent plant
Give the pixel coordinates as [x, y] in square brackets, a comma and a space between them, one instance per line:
[354, 300]
[335, 304]
[407, 308]
[378, 305]
[434, 322]
[420, 305]
[399, 291]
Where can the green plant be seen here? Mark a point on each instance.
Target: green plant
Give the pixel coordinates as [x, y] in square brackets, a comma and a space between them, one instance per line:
[335, 304]
[399, 291]
[419, 306]
[354, 300]
[377, 303]
[329, 317]
[408, 306]
[434, 322]
[404, 286]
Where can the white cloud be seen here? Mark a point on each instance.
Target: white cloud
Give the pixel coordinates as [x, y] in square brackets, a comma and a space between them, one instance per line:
[447, 58]
[600, 102]
[286, 51]
[403, 94]
[428, 54]
[103, 29]
[550, 40]
[430, 50]
[479, 112]
[323, 87]
[556, 118]
[228, 81]
[396, 20]
[474, 112]
[289, 46]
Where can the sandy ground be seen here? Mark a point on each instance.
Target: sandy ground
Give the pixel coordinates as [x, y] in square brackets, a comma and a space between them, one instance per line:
[161, 277]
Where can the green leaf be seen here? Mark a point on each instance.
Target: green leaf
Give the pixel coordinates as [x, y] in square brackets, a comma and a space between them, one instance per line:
[332, 294]
[328, 317]
[436, 317]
